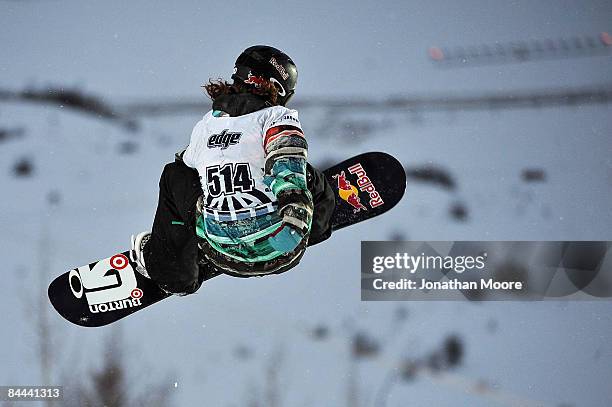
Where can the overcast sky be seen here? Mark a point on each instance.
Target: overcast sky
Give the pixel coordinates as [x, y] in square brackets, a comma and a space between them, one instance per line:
[159, 48]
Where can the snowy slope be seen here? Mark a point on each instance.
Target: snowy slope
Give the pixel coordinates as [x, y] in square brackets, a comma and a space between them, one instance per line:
[104, 196]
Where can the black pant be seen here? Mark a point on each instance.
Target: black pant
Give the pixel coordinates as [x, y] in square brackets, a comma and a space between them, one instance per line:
[171, 255]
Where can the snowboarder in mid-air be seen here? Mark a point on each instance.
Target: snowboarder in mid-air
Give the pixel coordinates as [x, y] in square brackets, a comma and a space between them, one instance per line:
[241, 199]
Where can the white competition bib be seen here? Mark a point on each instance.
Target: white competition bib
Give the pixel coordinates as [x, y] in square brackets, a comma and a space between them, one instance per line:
[229, 155]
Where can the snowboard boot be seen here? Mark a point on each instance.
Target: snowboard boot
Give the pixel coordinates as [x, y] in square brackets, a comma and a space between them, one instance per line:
[137, 254]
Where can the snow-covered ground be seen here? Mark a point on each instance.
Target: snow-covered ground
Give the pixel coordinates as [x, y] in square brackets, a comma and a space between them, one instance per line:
[84, 198]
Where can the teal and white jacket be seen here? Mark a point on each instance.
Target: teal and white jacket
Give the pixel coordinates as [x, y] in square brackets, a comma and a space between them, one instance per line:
[252, 169]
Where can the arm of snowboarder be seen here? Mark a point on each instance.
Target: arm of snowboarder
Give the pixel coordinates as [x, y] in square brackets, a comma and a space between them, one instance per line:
[285, 167]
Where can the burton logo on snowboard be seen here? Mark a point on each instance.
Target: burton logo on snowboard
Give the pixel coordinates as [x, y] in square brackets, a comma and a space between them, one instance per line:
[107, 286]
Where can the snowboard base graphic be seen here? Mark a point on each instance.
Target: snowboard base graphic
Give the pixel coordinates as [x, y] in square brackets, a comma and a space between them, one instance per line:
[110, 289]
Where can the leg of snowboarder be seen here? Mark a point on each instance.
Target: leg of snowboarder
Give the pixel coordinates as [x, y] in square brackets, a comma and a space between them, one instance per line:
[257, 205]
[169, 254]
[324, 203]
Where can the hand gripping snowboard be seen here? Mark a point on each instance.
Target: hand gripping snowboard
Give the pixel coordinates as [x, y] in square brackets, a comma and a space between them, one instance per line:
[107, 290]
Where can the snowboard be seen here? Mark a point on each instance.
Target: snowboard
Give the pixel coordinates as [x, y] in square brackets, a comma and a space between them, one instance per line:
[110, 289]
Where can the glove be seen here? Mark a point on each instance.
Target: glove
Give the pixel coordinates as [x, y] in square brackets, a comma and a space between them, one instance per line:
[297, 216]
[286, 238]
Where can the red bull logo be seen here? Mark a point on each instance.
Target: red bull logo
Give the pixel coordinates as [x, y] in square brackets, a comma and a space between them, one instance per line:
[350, 193]
[254, 80]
